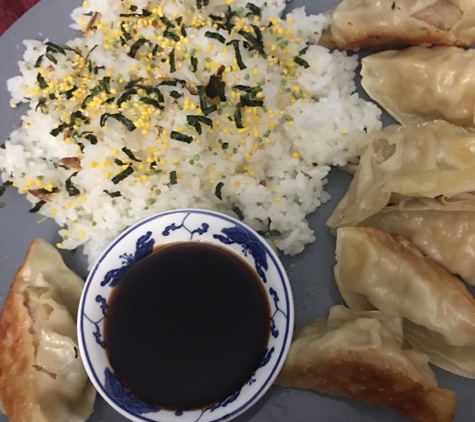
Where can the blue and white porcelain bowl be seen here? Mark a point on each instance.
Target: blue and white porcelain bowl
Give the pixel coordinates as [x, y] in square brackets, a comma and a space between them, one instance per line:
[139, 241]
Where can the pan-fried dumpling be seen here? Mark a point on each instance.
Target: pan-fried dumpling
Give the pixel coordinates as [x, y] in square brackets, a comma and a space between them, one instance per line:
[376, 270]
[42, 378]
[360, 355]
[380, 24]
[423, 84]
[430, 166]
[448, 237]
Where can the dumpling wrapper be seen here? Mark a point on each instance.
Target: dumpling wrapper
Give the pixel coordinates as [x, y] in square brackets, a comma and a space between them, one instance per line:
[423, 84]
[448, 237]
[360, 355]
[428, 166]
[42, 378]
[379, 24]
[379, 271]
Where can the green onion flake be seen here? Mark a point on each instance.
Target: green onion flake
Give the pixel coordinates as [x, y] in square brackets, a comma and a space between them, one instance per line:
[41, 81]
[121, 176]
[301, 62]
[173, 178]
[37, 207]
[4, 187]
[177, 136]
[130, 154]
[72, 190]
[215, 36]
[217, 191]
[119, 117]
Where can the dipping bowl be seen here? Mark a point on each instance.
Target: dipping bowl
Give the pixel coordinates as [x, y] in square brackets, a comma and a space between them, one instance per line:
[187, 225]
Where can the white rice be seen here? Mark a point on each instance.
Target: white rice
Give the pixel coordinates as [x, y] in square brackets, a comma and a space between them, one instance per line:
[272, 171]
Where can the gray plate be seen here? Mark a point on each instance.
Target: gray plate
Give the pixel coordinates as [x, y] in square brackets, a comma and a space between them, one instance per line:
[310, 272]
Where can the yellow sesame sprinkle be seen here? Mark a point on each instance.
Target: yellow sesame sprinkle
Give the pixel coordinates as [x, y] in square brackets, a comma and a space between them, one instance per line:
[93, 164]
[82, 234]
[59, 245]
[247, 155]
[68, 206]
[13, 105]
[277, 199]
[255, 72]
[236, 183]
[53, 211]
[295, 155]
[344, 132]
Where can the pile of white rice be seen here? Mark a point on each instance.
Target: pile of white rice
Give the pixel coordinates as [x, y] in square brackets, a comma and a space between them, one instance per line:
[111, 135]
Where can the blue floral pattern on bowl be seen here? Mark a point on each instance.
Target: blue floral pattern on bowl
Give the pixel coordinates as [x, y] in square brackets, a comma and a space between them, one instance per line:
[139, 241]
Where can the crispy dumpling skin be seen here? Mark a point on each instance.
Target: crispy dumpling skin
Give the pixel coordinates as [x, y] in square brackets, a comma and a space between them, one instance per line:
[382, 24]
[421, 84]
[420, 167]
[42, 378]
[360, 355]
[448, 237]
[379, 271]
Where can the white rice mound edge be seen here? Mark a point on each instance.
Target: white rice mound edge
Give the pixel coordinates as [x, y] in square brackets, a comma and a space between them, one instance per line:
[275, 179]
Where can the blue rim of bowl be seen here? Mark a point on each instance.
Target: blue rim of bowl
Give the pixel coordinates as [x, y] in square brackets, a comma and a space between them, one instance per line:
[288, 296]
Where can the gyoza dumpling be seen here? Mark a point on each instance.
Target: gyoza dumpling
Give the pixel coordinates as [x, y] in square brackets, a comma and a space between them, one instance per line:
[42, 378]
[429, 166]
[423, 84]
[360, 355]
[376, 270]
[448, 237]
[390, 24]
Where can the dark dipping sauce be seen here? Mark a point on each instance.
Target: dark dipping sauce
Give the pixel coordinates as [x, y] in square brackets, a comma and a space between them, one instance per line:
[187, 326]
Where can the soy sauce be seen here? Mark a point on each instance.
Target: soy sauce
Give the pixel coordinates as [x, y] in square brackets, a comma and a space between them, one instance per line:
[187, 326]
